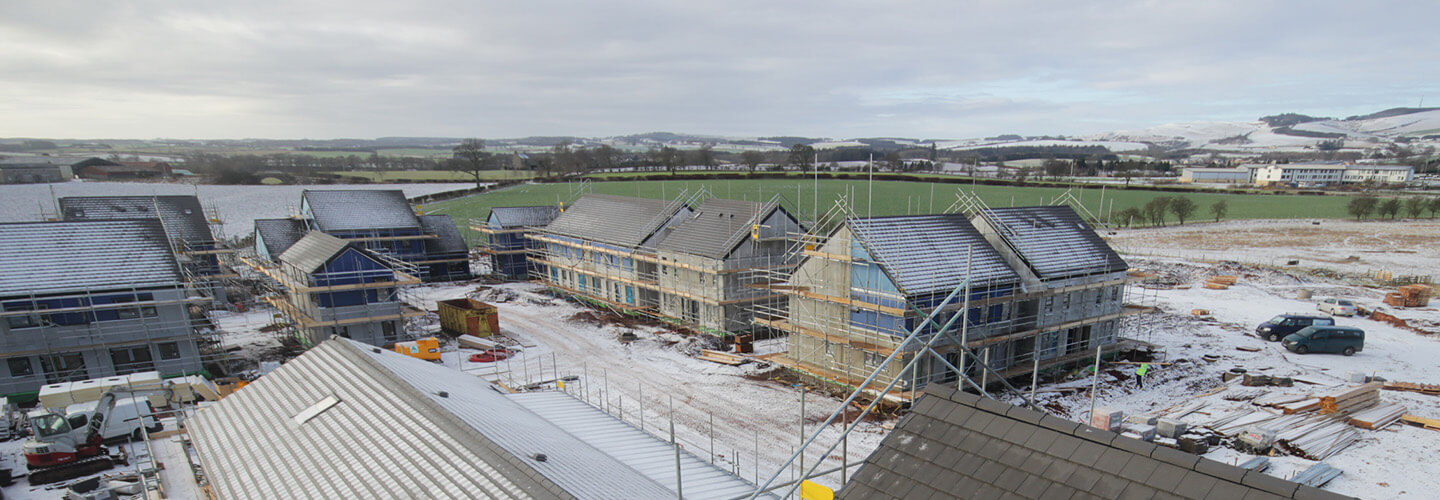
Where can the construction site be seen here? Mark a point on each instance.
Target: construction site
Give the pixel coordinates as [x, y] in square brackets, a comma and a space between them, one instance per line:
[739, 349]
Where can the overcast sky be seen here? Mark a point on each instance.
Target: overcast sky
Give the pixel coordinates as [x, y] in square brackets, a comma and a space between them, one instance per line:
[922, 69]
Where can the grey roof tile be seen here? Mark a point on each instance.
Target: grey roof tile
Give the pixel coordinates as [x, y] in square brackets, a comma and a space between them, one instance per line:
[518, 217]
[1064, 446]
[1059, 424]
[1054, 241]
[279, 234]
[182, 216]
[58, 257]
[715, 227]
[448, 238]
[360, 209]
[1133, 445]
[1313, 493]
[1270, 483]
[1092, 434]
[1221, 470]
[1137, 491]
[1088, 453]
[1175, 457]
[1139, 468]
[1166, 477]
[313, 251]
[925, 254]
[617, 220]
[1024, 414]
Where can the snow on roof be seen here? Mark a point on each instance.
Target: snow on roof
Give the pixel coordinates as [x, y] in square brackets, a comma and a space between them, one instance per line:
[182, 215]
[279, 234]
[56, 257]
[347, 420]
[360, 209]
[927, 253]
[1053, 240]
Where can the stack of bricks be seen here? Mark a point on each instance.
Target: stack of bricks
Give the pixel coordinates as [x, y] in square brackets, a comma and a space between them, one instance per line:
[1410, 296]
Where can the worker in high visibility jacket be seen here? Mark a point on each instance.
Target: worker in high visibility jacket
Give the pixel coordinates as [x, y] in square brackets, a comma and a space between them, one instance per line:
[1140, 375]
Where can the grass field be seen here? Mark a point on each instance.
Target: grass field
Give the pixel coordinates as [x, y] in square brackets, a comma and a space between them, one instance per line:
[435, 175]
[890, 198]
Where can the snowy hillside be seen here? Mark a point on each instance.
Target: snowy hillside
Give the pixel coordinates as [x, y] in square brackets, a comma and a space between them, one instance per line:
[1259, 137]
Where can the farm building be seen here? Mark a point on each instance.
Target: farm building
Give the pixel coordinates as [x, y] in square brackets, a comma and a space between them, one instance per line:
[109, 170]
[346, 420]
[690, 265]
[959, 445]
[92, 299]
[1041, 286]
[379, 220]
[35, 169]
[506, 244]
[326, 286]
[1205, 175]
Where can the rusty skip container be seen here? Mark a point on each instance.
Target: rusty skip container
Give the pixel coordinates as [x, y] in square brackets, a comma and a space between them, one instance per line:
[465, 316]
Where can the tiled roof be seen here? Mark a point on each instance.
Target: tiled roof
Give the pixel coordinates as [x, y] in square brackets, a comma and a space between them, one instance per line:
[346, 420]
[182, 215]
[927, 253]
[449, 240]
[313, 251]
[712, 230]
[1054, 241]
[360, 209]
[279, 234]
[512, 217]
[958, 445]
[57, 257]
[617, 220]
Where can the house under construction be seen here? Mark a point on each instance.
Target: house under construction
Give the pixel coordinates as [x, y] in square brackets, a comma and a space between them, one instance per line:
[325, 286]
[690, 260]
[1042, 286]
[378, 220]
[505, 243]
[88, 299]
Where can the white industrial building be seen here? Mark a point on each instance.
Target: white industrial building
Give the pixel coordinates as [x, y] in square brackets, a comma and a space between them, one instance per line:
[1207, 175]
[1387, 174]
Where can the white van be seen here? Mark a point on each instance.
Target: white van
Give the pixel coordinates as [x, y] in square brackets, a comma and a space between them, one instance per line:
[124, 420]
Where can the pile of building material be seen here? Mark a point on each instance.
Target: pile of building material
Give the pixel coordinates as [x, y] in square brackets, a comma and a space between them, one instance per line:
[723, 358]
[1410, 296]
[1352, 399]
[1317, 438]
[1428, 389]
[1317, 475]
[1386, 318]
[1422, 422]
[1377, 417]
[1220, 282]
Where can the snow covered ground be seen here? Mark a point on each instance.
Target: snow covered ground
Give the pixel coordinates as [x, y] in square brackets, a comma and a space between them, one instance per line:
[239, 206]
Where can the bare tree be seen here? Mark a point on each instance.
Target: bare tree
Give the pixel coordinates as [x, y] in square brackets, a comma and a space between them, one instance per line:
[1362, 207]
[1389, 207]
[1182, 207]
[470, 157]
[1415, 206]
[801, 157]
[751, 159]
[1220, 208]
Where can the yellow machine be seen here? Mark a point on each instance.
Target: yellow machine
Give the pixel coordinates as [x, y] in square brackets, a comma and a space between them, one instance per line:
[427, 348]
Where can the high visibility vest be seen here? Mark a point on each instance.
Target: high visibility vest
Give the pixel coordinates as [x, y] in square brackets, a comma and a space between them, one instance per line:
[1143, 369]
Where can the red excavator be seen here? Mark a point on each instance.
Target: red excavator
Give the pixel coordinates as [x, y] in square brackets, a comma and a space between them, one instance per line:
[69, 446]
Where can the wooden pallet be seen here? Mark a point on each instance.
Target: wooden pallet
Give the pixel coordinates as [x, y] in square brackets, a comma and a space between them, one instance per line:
[723, 358]
[1431, 389]
[1428, 423]
[1216, 286]
[1351, 399]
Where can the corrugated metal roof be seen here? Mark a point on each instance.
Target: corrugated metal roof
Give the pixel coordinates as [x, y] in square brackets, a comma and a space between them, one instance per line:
[360, 209]
[708, 231]
[959, 445]
[618, 220]
[644, 452]
[313, 251]
[1054, 241]
[449, 240]
[511, 217]
[183, 217]
[391, 434]
[54, 257]
[927, 253]
[381, 438]
[279, 234]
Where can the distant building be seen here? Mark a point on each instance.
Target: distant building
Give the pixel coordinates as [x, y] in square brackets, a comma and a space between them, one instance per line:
[1204, 175]
[42, 169]
[378, 220]
[506, 244]
[345, 420]
[109, 171]
[1383, 174]
[92, 299]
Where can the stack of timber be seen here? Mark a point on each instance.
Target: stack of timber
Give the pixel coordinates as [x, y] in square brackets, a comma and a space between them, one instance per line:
[1278, 400]
[1318, 438]
[1302, 406]
[1219, 282]
[1428, 389]
[723, 358]
[1410, 296]
[1352, 399]
[1378, 417]
[1428, 423]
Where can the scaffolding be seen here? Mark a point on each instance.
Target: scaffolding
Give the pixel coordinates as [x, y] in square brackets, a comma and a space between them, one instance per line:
[297, 298]
[711, 295]
[1027, 335]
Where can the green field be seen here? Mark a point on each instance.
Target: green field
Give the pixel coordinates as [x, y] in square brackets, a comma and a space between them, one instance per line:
[435, 175]
[891, 198]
